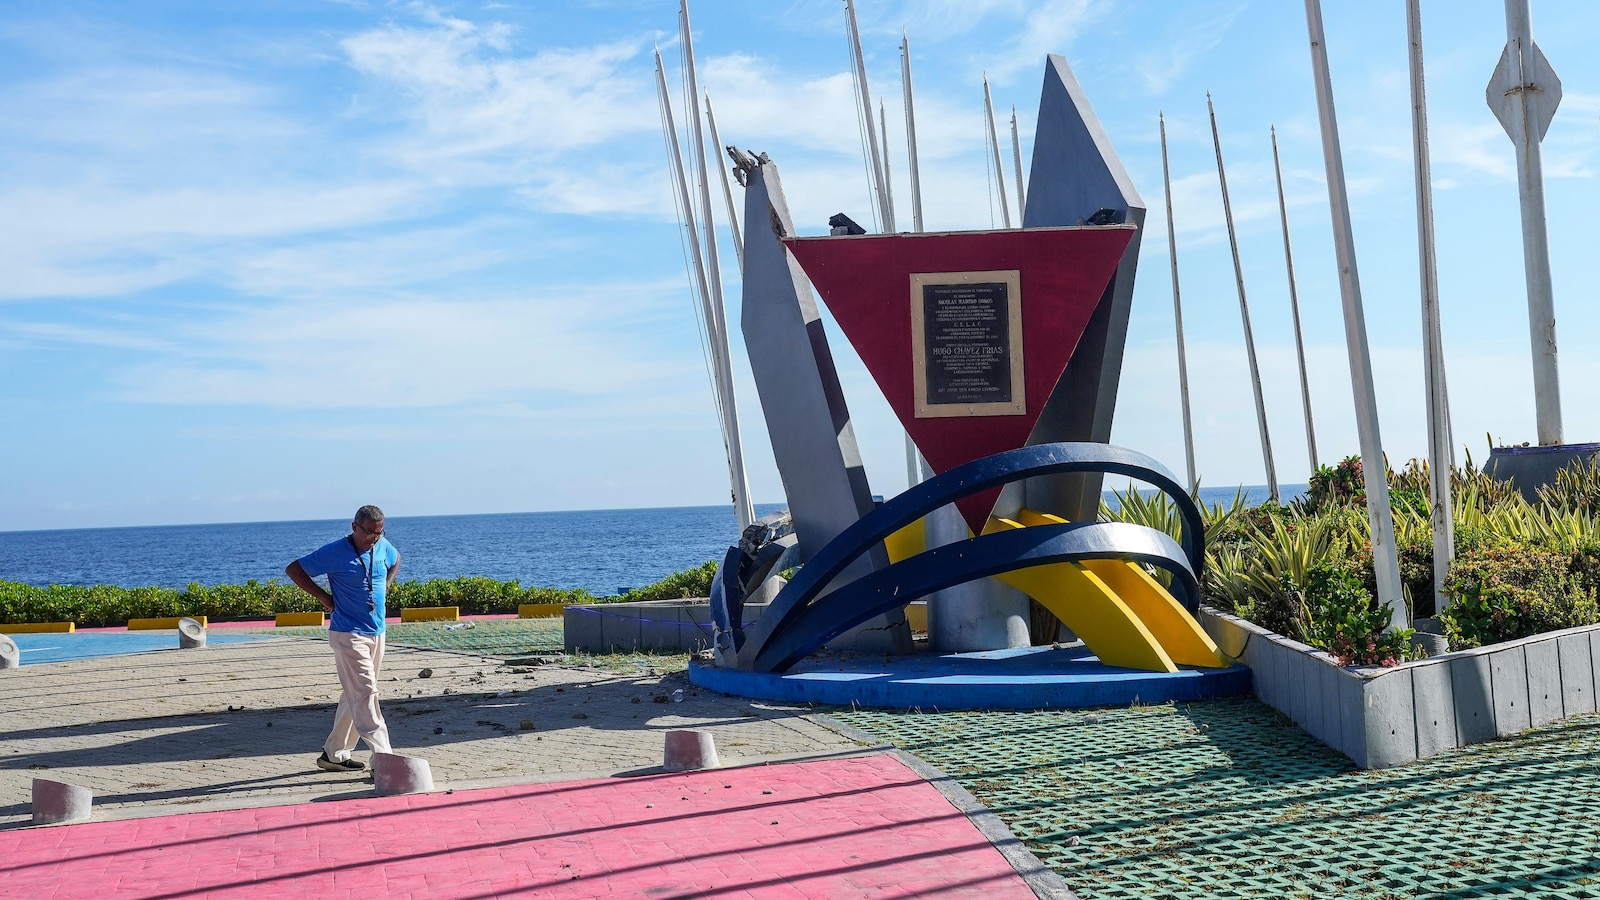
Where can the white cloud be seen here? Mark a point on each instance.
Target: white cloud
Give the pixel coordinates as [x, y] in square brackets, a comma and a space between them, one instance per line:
[412, 352]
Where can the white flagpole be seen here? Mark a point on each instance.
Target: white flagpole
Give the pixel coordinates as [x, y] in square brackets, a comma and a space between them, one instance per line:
[915, 465]
[911, 134]
[1294, 310]
[994, 146]
[1439, 442]
[866, 113]
[1524, 93]
[730, 408]
[1016, 159]
[1244, 311]
[727, 188]
[1374, 470]
[1177, 316]
[888, 179]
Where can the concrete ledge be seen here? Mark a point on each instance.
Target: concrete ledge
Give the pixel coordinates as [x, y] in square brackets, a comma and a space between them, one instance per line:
[653, 625]
[40, 628]
[301, 619]
[1385, 717]
[431, 614]
[540, 610]
[163, 624]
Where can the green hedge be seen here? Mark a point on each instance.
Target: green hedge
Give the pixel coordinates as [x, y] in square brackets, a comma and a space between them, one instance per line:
[91, 606]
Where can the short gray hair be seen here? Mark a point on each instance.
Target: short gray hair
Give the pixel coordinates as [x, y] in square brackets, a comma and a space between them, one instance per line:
[369, 514]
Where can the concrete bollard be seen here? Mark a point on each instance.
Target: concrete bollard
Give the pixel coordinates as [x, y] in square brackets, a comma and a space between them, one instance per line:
[191, 634]
[393, 773]
[689, 750]
[10, 656]
[56, 802]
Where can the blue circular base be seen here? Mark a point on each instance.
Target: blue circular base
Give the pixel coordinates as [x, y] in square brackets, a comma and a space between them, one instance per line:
[1025, 678]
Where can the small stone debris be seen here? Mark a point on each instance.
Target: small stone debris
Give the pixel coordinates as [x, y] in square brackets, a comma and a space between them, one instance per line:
[1072, 841]
[183, 679]
[633, 699]
[660, 698]
[425, 673]
[269, 724]
[766, 792]
[438, 730]
[449, 690]
[580, 715]
[527, 725]
[649, 806]
[534, 661]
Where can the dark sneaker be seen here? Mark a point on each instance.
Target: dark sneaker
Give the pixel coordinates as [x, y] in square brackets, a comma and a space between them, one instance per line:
[349, 765]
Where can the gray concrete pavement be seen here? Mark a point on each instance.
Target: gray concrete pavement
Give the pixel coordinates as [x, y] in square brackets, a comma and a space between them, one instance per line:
[241, 725]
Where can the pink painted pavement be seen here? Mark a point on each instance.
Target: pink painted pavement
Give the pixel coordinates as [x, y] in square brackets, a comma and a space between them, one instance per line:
[860, 827]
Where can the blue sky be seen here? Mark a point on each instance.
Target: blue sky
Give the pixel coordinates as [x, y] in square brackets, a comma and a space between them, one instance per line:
[274, 260]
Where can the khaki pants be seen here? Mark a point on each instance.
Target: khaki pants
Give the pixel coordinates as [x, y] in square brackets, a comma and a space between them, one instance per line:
[358, 658]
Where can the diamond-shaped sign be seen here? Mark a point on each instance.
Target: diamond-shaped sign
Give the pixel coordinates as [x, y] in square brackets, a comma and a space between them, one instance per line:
[966, 333]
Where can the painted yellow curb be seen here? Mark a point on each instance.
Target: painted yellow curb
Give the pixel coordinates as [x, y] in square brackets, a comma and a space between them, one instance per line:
[40, 628]
[163, 623]
[430, 614]
[285, 620]
[540, 610]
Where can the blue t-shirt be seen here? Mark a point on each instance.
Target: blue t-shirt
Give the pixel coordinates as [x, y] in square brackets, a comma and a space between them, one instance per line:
[357, 582]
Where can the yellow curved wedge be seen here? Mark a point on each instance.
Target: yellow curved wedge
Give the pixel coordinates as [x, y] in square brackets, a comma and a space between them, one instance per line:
[1079, 598]
[1177, 631]
[907, 542]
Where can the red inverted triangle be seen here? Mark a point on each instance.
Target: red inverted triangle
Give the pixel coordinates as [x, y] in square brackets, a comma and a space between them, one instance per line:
[866, 281]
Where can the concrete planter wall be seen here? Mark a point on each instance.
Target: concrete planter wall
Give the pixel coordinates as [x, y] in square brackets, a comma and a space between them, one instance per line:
[1385, 717]
[661, 625]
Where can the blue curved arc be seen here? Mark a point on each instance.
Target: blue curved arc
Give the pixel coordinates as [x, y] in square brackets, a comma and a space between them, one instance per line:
[978, 475]
[963, 561]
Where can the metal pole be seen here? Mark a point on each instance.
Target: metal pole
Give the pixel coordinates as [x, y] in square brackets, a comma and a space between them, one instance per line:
[719, 336]
[994, 144]
[866, 113]
[1244, 311]
[915, 464]
[727, 187]
[1016, 160]
[1439, 443]
[911, 134]
[1294, 309]
[1373, 470]
[1177, 315]
[1532, 101]
[888, 180]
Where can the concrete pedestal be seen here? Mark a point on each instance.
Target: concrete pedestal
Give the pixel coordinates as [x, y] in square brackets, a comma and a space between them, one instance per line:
[690, 750]
[393, 773]
[978, 615]
[56, 802]
[10, 656]
[191, 634]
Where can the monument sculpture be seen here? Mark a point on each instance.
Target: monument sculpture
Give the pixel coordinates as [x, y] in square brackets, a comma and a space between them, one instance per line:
[1000, 352]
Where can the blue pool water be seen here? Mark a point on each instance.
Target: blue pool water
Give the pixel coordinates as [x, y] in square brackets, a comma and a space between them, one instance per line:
[49, 648]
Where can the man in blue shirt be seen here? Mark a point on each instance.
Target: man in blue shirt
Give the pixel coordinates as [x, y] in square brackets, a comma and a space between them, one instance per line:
[360, 568]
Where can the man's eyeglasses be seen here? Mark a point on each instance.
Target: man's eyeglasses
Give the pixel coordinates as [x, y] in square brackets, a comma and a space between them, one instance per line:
[375, 532]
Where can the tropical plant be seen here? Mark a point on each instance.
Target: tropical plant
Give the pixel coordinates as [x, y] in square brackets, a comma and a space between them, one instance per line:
[1576, 488]
[1342, 617]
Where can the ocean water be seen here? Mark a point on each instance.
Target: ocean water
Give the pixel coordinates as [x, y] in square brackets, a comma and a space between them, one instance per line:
[603, 551]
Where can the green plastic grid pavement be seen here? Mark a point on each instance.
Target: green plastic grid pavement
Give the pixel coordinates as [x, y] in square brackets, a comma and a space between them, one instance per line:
[1227, 799]
[502, 638]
